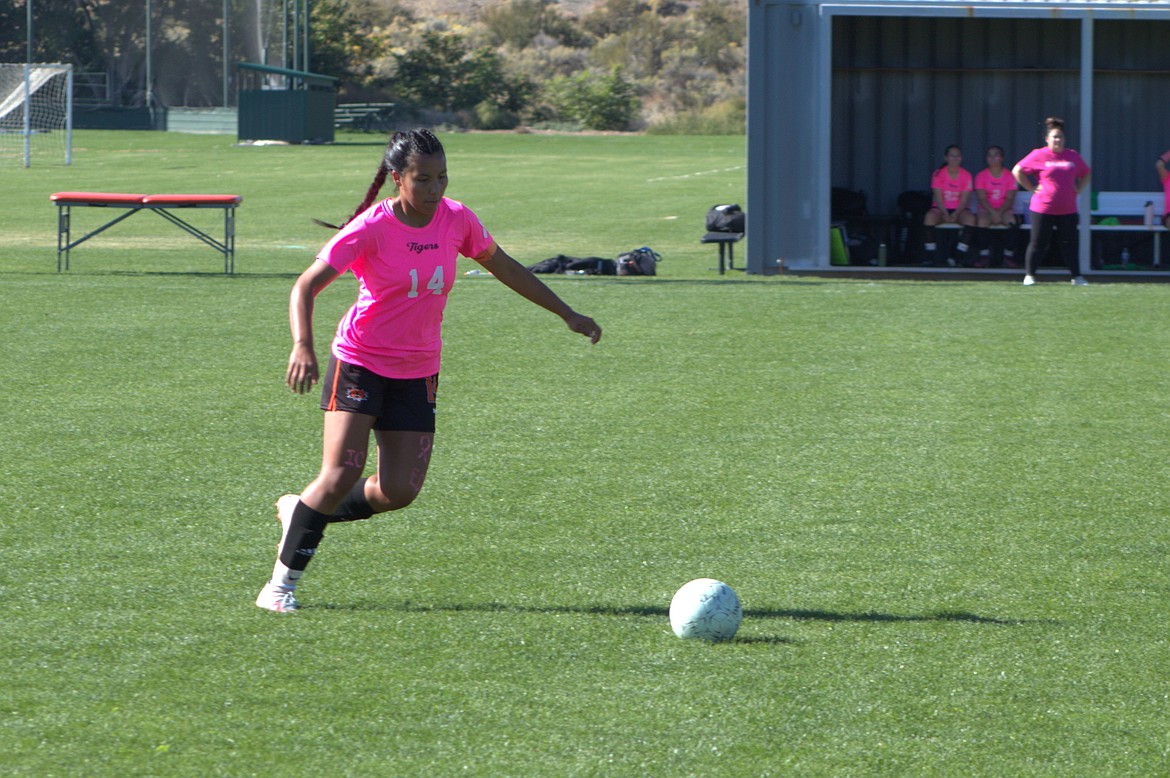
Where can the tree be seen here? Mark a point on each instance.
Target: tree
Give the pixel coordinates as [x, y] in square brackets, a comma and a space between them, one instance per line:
[341, 46]
[427, 72]
[440, 73]
[598, 102]
[62, 31]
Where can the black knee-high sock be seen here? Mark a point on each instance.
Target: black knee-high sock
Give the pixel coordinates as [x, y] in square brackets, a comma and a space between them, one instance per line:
[964, 245]
[929, 244]
[354, 506]
[983, 240]
[306, 527]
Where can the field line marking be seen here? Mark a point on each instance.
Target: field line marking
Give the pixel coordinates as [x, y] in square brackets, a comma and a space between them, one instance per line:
[700, 173]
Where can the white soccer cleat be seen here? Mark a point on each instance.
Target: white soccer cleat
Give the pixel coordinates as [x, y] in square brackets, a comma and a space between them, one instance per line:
[1080, 281]
[1029, 280]
[285, 505]
[277, 598]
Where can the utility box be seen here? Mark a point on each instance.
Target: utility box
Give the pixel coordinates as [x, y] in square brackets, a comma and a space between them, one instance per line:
[286, 105]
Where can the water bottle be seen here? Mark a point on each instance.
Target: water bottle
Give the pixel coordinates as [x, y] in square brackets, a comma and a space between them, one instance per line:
[1149, 214]
[1125, 256]
[881, 255]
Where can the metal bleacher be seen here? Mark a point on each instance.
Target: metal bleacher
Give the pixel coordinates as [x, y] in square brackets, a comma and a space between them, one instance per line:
[369, 117]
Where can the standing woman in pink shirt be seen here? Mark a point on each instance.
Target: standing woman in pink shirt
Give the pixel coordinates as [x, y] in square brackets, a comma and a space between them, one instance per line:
[1164, 177]
[1055, 175]
[384, 365]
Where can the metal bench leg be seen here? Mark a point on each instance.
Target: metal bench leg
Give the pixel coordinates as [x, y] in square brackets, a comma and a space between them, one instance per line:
[62, 235]
[229, 240]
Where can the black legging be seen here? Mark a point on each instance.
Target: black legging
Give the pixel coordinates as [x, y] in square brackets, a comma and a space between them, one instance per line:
[1043, 225]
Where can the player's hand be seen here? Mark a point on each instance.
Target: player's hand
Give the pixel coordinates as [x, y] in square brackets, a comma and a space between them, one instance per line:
[583, 325]
[302, 369]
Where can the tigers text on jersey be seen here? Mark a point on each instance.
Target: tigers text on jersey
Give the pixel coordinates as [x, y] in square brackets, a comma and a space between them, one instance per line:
[404, 274]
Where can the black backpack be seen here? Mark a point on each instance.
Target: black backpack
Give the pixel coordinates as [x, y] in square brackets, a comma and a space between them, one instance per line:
[639, 262]
[726, 218]
[847, 204]
[915, 203]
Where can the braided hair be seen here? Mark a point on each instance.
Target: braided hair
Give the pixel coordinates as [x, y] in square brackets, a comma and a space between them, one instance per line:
[400, 149]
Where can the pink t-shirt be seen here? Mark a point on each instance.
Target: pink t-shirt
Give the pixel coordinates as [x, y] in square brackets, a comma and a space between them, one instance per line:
[996, 189]
[952, 188]
[1166, 199]
[405, 274]
[1056, 176]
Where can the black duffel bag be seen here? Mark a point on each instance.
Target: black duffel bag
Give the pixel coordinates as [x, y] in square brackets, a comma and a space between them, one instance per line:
[726, 218]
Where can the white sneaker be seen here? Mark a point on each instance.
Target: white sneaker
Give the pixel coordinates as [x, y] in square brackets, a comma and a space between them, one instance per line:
[279, 599]
[285, 505]
[1080, 281]
[1029, 280]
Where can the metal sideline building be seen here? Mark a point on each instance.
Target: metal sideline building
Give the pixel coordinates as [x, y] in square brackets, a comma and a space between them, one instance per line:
[866, 95]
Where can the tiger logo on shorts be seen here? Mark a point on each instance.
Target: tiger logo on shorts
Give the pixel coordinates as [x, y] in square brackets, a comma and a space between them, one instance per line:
[357, 395]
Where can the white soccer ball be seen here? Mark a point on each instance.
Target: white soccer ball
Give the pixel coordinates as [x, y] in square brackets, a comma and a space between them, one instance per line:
[705, 609]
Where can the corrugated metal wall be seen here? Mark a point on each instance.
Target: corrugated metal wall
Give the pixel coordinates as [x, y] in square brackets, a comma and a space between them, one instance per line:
[904, 88]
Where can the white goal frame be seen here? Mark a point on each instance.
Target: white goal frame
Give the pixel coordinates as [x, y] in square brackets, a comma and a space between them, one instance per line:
[35, 106]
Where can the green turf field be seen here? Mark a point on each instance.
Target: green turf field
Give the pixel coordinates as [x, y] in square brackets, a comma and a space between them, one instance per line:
[944, 505]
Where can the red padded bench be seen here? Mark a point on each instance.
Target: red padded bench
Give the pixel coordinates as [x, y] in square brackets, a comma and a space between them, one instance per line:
[164, 205]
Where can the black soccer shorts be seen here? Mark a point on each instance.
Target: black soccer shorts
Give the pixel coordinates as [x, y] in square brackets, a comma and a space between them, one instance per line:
[398, 404]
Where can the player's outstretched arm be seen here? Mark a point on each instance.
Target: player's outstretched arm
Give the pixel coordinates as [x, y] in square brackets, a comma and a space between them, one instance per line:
[522, 281]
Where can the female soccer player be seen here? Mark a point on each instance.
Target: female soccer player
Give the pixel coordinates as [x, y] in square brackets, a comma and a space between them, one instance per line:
[995, 189]
[951, 189]
[384, 367]
[1061, 174]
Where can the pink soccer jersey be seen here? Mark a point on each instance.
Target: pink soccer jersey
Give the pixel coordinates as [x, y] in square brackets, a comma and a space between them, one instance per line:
[1056, 176]
[404, 274]
[1166, 196]
[952, 188]
[996, 189]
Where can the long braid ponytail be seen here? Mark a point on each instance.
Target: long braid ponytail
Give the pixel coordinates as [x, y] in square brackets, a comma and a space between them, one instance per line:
[372, 192]
[402, 146]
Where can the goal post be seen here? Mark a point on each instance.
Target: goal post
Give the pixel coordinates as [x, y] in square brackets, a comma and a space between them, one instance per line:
[36, 112]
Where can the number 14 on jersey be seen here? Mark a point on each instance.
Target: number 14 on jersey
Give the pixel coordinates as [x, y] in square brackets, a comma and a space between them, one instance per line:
[435, 284]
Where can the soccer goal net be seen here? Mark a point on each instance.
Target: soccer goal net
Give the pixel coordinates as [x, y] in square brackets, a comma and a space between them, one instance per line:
[36, 113]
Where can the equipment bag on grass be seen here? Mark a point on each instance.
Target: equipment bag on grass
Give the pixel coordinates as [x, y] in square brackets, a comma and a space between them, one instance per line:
[551, 265]
[591, 266]
[639, 262]
[585, 266]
